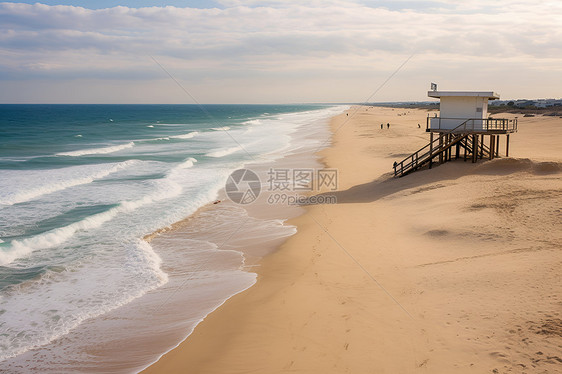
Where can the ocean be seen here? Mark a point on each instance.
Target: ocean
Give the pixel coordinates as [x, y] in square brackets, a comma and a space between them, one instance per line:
[82, 185]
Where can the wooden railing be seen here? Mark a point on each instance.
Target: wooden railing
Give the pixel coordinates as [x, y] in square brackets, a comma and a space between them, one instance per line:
[472, 124]
[425, 154]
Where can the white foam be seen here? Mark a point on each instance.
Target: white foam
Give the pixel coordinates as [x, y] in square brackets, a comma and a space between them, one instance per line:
[97, 151]
[165, 188]
[253, 122]
[150, 126]
[224, 152]
[187, 163]
[29, 185]
[22, 248]
[172, 124]
[185, 136]
[45, 320]
[223, 128]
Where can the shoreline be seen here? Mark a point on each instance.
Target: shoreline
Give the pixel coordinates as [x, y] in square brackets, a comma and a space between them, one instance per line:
[314, 310]
[207, 258]
[252, 251]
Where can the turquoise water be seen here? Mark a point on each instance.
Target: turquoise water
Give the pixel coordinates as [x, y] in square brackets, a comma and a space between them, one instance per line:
[80, 185]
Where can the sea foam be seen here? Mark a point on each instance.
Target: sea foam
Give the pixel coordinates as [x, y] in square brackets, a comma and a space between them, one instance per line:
[44, 182]
[47, 321]
[224, 152]
[185, 136]
[22, 248]
[187, 163]
[97, 151]
[253, 122]
[166, 188]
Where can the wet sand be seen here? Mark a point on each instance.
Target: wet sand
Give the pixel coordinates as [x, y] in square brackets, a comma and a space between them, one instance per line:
[454, 269]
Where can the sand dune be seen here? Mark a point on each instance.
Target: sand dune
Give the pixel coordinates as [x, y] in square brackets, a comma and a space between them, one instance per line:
[454, 269]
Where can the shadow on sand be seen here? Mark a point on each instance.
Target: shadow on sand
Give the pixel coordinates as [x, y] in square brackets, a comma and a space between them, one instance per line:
[425, 180]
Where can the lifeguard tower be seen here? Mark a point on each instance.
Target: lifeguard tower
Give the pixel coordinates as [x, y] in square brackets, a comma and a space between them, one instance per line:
[462, 126]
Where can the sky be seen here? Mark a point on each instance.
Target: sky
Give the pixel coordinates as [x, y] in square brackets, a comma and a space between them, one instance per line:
[236, 51]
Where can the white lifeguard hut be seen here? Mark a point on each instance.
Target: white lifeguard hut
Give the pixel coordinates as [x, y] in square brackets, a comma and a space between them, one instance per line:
[457, 106]
[462, 125]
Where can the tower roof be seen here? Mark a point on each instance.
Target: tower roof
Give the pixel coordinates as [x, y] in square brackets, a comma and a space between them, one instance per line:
[488, 94]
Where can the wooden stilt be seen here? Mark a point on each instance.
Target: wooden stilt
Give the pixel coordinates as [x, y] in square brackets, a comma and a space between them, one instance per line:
[457, 151]
[474, 148]
[445, 142]
[442, 145]
[507, 146]
[481, 146]
[431, 149]
[440, 148]
[492, 142]
[497, 148]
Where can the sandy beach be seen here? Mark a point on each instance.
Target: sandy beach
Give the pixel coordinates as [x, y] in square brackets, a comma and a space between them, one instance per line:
[453, 269]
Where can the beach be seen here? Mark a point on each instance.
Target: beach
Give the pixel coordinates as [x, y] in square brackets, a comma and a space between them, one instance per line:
[316, 187]
[453, 269]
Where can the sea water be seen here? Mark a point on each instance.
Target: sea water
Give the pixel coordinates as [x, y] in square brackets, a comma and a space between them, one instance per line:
[81, 185]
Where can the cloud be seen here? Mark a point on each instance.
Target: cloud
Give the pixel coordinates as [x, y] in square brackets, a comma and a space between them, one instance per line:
[281, 38]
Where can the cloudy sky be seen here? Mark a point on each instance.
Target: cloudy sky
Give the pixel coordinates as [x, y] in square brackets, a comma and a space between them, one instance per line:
[236, 51]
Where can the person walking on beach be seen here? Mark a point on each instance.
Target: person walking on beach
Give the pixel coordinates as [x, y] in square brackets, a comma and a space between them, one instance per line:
[381, 126]
[388, 125]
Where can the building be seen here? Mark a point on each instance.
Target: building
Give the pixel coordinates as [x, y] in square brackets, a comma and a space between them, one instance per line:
[460, 130]
[457, 106]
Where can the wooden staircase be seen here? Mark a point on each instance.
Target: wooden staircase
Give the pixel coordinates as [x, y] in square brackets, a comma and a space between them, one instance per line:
[442, 147]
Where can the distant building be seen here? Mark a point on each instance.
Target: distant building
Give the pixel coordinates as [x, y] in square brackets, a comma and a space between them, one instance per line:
[524, 103]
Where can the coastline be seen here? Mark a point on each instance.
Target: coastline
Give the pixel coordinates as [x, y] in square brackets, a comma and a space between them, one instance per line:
[253, 231]
[207, 258]
[351, 293]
